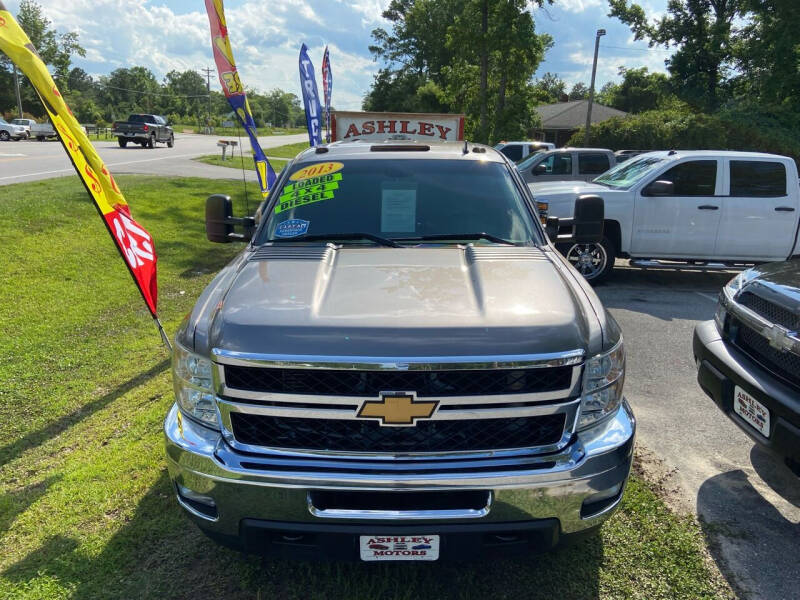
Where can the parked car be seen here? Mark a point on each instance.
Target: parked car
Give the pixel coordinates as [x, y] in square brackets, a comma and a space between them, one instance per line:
[26, 123]
[706, 208]
[516, 151]
[145, 130]
[623, 155]
[9, 131]
[43, 131]
[567, 164]
[748, 357]
[383, 266]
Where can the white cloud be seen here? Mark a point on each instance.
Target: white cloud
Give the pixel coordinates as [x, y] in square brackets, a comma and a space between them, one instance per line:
[578, 6]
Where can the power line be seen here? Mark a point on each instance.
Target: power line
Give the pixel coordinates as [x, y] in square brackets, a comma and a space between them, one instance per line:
[114, 87]
[208, 71]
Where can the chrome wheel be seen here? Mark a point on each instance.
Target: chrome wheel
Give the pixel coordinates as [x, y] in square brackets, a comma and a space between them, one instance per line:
[590, 259]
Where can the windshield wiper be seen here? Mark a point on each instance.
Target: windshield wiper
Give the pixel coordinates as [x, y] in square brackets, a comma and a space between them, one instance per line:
[457, 236]
[322, 237]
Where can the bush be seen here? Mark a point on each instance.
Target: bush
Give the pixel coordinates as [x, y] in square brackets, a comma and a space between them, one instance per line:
[731, 129]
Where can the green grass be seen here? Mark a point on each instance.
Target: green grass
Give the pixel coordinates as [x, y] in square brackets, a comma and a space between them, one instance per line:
[245, 160]
[86, 508]
[193, 128]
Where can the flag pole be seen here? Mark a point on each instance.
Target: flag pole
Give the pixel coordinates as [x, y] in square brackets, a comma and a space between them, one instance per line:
[163, 333]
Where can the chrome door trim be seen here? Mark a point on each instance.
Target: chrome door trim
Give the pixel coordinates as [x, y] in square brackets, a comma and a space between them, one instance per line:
[395, 363]
[399, 515]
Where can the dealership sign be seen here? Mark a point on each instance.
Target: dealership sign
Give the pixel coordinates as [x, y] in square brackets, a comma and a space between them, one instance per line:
[372, 126]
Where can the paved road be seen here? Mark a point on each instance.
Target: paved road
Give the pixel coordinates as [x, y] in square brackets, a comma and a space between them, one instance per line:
[747, 500]
[32, 160]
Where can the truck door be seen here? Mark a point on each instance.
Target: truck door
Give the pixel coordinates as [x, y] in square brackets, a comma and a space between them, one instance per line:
[592, 164]
[759, 213]
[684, 223]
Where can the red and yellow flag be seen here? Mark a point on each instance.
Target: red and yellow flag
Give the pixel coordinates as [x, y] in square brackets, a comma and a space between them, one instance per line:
[134, 243]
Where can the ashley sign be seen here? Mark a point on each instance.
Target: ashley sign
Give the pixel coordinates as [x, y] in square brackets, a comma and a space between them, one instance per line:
[381, 126]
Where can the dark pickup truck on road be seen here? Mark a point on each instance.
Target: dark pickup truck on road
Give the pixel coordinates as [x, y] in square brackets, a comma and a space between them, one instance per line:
[145, 130]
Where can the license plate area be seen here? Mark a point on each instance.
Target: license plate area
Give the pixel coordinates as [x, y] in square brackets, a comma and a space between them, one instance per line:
[751, 410]
[398, 547]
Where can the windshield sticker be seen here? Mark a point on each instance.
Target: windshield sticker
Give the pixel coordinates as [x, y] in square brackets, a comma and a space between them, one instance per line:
[308, 191]
[325, 168]
[398, 209]
[291, 228]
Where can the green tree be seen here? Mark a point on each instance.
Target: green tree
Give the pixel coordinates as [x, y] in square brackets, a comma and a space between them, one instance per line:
[579, 91]
[701, 30]
[550, 88]
[639, 91]
[127, 90]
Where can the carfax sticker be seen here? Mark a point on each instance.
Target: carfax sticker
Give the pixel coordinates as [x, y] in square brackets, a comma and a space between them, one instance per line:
[325, 168]
[291, 228]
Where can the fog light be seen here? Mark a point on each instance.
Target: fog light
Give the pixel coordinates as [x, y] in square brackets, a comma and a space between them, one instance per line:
[597, 503]
[197, 504]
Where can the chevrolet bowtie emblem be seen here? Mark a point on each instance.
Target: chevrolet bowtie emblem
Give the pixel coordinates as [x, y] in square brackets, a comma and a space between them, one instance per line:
[397, 408]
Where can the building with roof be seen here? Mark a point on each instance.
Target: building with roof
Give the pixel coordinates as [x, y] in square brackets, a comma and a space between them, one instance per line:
[561, 120]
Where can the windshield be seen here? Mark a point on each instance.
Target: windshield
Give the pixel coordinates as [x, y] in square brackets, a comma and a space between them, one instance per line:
[528, 161]
[630, 172]
[3, 121]
[400, 199]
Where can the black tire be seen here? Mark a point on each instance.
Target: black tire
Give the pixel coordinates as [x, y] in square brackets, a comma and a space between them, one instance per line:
[5, 136]
[122, 142]
[594, 261]
[40, 138]
[171, 141]
[151, 141]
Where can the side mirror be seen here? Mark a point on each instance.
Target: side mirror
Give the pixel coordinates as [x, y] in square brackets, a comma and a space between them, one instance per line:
[540, 169]
[588, 219]
[587, 223]
[660, 188]
[219, 214]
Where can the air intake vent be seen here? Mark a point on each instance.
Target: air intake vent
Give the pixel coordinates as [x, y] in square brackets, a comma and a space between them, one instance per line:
[503, 253]
[320, 253]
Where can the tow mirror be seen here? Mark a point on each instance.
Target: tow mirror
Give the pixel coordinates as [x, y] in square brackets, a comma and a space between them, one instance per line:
[586, 224]
[220, 221]
[660, 188]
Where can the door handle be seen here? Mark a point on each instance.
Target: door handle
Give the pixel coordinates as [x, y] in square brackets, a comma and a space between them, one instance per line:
[708, 207]
[784, 209]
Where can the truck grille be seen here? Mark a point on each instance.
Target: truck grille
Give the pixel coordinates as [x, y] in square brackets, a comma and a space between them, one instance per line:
[771, 312]
[368, 436]
[783, 364]
[323, 382]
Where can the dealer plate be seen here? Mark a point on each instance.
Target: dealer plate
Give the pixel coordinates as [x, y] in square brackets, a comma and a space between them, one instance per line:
[751, 410]
[399, 547]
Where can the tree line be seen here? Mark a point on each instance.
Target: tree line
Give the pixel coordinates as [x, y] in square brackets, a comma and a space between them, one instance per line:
[182, 96]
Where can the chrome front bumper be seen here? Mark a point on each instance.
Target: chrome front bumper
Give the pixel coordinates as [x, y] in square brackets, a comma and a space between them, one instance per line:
[220, 487]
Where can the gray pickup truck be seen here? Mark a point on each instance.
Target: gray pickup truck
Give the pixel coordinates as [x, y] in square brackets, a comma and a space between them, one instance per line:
[145, 130]
[398, 366]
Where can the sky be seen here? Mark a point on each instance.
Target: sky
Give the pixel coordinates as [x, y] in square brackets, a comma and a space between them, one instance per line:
[266, 35]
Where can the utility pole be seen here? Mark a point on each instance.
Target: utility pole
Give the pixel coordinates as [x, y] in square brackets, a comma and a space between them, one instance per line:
[208, 73]
[19, 98]
[600, 33]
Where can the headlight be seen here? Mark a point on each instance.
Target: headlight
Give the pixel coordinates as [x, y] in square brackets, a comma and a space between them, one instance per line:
[191, 378]
[603, 377]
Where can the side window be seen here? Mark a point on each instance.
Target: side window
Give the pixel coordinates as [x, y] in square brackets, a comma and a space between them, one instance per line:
[558, 164]
[756, 178]
[592, 164]
[512, 151]
[693, 178]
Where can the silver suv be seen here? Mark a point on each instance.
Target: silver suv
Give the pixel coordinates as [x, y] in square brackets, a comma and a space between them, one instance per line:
[398, 366]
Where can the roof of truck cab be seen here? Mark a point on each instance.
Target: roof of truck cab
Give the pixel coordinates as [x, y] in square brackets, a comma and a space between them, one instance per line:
[675, 154]
[405, 149]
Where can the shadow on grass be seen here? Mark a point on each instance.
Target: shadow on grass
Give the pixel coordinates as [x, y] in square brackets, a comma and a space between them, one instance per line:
[158, 553]
[11, 451]
[17, 502]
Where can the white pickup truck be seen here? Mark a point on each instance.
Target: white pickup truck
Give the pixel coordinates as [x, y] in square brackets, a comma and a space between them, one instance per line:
[705, 208]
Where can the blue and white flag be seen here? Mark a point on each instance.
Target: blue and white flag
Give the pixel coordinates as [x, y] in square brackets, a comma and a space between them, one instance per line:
[327, 89]
[308, 83]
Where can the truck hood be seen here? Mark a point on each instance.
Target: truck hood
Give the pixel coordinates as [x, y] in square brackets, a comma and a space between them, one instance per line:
[400, 302]
[566, 187]
[778, 283]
